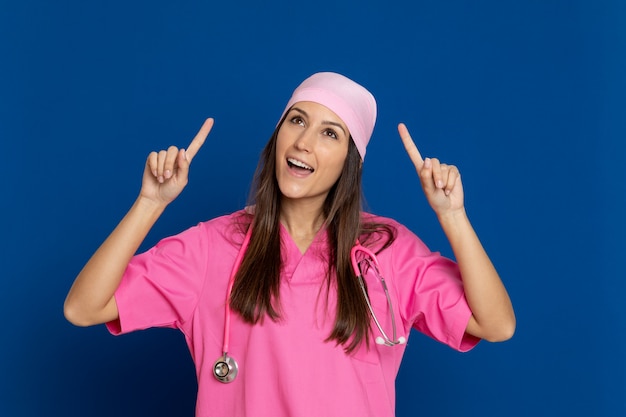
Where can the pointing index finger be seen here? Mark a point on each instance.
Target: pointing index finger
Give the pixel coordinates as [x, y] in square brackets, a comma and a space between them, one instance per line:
[410, 147]
[198, 141]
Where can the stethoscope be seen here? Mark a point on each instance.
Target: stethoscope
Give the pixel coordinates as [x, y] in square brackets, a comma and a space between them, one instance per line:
[225, 368]
[371, 260]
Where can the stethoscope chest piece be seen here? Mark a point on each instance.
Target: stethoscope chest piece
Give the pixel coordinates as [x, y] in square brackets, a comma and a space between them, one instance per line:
[225, 369]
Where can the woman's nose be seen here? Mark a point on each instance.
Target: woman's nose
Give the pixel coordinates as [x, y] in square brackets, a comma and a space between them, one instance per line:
[305, 141]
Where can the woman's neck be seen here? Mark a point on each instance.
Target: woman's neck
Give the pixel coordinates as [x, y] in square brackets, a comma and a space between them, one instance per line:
[302, 221]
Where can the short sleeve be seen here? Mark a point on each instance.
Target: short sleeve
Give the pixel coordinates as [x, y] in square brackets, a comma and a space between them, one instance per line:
[161, 287]
[431, 292]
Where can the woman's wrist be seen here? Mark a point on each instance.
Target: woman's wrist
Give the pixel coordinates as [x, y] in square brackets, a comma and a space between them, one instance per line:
[453, 218]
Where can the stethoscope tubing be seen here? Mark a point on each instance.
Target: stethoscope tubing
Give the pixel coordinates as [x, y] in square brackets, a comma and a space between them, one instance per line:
[231, 282]
[226, 368]
[385, 339]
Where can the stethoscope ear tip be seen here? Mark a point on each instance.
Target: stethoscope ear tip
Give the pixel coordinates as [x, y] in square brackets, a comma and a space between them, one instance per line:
[381, 341]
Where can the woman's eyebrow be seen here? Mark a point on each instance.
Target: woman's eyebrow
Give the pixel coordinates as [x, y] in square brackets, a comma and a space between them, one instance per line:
[305, 114]
[335, 124]
[326, 122]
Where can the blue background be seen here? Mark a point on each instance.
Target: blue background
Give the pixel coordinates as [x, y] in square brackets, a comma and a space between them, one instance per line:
[526, 97]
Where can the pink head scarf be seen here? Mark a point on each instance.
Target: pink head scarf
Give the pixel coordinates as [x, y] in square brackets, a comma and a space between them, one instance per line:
[354, 105]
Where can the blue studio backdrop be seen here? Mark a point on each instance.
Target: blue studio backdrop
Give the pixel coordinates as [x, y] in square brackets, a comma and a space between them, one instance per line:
[526, 97]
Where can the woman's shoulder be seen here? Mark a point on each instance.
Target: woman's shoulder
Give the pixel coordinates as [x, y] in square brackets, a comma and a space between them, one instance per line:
[226, 226]
[367, 217]
[400, 234]
[384, 222]
[242, 216]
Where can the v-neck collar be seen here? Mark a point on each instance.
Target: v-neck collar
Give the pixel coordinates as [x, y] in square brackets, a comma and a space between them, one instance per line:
[310, 266]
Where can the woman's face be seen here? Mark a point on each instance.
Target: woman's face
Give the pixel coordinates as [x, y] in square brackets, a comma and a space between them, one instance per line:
[311, 149]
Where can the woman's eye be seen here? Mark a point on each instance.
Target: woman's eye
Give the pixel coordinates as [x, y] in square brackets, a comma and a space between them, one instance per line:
[331, 133]
[297, 120]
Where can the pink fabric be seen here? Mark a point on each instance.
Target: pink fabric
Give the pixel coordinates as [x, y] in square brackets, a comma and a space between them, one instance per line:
[350, 101]
[286, 368]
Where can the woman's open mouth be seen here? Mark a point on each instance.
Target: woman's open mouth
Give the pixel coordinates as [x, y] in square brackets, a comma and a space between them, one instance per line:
[299, 166]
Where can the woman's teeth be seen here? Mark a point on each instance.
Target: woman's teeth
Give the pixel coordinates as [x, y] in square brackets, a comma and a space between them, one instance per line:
[298, 164]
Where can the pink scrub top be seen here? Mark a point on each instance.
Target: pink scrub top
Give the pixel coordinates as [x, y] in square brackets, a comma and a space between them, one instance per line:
[286, 368]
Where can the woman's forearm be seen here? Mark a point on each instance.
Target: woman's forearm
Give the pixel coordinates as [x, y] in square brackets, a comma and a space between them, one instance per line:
[492, 312]
[91, 298]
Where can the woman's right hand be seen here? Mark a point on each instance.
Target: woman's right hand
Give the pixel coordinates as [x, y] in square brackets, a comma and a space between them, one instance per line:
[166, 172]
[91, 300]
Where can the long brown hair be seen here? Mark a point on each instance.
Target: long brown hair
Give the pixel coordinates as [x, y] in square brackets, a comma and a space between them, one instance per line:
[255, 292]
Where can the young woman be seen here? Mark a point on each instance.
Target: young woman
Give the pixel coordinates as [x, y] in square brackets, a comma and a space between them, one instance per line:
[270, 298]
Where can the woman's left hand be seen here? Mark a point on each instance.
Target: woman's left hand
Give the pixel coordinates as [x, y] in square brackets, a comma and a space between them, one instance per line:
[441, 182]
[492, 317]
